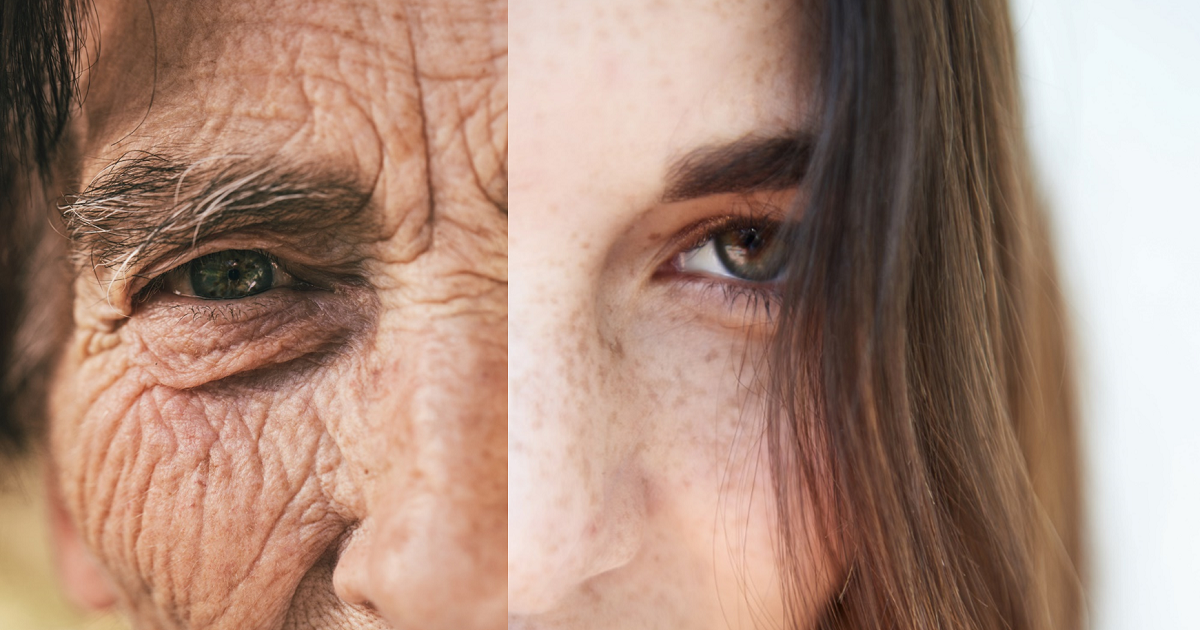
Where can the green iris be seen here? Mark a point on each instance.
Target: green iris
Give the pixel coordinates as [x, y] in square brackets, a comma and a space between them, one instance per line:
[231, 274]
[750, 253]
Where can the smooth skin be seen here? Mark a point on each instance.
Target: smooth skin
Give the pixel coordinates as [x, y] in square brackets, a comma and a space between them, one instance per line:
[640, 489]
[331, 457]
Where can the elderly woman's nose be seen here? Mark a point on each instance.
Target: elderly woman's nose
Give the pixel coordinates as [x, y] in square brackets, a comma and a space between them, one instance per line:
[429, 552]
[577, 497]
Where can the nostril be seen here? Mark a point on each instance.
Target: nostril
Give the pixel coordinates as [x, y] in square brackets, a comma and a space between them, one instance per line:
[315, 603]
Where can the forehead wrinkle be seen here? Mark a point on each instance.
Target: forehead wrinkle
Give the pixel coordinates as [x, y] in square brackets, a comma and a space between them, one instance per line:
[145, 202]
[470, 120]
[490, 175]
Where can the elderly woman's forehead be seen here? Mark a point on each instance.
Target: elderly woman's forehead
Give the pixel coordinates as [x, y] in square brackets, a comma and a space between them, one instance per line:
[369, 23]
[351, 83]
[375, 47]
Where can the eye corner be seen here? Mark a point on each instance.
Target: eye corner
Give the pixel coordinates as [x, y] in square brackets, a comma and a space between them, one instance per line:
[148, 290]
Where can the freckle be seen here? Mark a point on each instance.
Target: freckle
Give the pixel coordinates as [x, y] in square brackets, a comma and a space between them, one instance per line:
[711, 356]
[562, 502]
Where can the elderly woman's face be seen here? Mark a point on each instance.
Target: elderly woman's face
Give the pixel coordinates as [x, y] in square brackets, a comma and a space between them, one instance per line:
[651, 158]
[283, 403]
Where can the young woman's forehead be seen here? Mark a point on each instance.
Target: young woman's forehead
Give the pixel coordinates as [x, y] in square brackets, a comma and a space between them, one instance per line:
[623, 87]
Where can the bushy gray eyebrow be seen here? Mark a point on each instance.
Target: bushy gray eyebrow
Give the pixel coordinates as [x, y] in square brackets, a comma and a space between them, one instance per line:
[146, 203]
[747, 165]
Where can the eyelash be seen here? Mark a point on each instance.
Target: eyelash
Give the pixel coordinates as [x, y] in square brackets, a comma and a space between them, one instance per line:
[754, 295]
[754, 299]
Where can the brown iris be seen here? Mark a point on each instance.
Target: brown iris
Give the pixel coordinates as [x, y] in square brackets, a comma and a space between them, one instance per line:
[750, 253]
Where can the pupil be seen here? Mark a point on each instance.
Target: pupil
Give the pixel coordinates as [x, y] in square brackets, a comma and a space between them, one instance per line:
[751, 241]
[234, 275]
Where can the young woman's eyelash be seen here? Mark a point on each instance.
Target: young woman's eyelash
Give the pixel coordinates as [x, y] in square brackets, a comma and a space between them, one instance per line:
[753, 298]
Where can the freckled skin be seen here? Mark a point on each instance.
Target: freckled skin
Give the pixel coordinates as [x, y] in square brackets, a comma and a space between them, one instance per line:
[319, 459]
[640, 489]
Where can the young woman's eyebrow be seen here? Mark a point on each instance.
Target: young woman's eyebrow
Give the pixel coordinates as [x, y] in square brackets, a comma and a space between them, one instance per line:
[750, 164]
[145, 203]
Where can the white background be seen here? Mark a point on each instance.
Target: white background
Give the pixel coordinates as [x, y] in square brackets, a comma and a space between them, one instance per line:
[1113, 106]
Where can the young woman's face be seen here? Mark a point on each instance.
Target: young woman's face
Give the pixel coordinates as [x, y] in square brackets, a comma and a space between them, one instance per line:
[653, 159]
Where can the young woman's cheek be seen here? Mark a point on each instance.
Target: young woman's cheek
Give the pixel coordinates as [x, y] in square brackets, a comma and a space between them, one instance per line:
[203, 494]
[715, 509]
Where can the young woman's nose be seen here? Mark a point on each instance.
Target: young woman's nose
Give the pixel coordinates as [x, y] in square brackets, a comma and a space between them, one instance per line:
[578, 502]
[429, 552]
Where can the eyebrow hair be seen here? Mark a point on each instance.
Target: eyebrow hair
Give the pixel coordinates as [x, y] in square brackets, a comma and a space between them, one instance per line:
[747, 165]
[144, 203]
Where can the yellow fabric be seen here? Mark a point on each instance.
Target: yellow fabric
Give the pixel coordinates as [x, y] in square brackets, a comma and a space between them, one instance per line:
[30, 597]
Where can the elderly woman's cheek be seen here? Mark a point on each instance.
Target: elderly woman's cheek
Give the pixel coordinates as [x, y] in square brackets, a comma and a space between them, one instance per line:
[203, 503]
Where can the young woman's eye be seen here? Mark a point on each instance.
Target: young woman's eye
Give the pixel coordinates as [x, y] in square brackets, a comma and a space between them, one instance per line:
[227, 275]
[750, 253]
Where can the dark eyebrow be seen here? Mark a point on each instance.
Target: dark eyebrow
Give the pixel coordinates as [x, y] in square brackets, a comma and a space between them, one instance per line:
[746, 165]
[145, 203]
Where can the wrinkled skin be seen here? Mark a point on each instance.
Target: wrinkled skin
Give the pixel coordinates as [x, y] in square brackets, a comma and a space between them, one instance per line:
[328, 458]
[640, 487]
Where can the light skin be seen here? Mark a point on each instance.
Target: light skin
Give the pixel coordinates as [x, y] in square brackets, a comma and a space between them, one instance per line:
[328, 453]
[640, 487]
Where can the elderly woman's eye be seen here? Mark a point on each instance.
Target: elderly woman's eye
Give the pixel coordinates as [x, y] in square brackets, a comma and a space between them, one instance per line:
[750, 253]
[227, 275]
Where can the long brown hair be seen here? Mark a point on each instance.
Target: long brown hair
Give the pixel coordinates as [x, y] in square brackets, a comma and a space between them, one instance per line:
[921, 358]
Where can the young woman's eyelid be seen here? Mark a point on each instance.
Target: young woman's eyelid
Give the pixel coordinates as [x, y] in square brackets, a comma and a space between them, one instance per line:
[705, 230]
